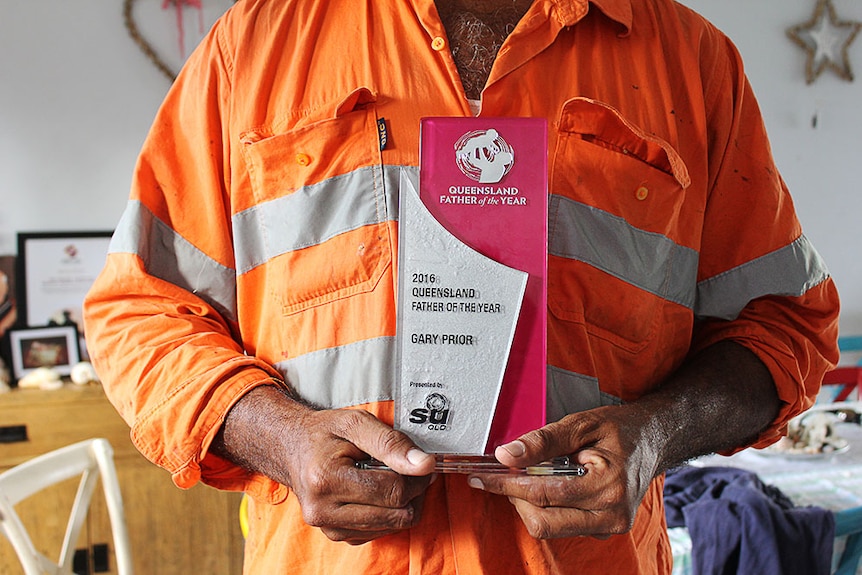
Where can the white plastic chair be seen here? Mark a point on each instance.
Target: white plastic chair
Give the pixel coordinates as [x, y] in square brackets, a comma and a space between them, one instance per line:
[89, 459]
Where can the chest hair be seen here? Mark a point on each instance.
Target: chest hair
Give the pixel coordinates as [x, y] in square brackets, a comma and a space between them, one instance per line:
[476, 30]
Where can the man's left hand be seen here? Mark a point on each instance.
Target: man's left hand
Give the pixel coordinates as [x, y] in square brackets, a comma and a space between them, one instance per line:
[612, 443]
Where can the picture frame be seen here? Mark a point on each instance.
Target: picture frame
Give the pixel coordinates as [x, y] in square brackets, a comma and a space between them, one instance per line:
[55, 272]
[8, 294]
[55, 347]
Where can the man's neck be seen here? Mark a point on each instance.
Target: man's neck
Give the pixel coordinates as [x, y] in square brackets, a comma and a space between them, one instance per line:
[476, 30]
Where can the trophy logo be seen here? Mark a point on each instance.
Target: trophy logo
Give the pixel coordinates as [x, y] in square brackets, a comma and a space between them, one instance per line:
[484, 156]
[435, 413]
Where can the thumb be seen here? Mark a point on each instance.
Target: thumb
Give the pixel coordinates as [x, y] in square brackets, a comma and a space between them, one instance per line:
[392, 447]
[413, 461]
[531, 448]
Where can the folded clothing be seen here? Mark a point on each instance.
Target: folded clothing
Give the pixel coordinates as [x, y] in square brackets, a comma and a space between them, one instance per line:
[738, 524]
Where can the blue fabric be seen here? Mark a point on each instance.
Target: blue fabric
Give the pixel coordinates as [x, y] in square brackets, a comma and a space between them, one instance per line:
[738, 524]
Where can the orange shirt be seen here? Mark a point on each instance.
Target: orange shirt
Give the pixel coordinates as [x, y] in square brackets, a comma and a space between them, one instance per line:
[260, 239]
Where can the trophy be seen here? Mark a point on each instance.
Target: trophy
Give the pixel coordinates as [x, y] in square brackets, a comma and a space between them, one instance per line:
[472, 288]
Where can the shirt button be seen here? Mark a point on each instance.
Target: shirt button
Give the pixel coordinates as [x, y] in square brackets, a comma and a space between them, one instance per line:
[642, 193]
[303, 159]
[438, 43]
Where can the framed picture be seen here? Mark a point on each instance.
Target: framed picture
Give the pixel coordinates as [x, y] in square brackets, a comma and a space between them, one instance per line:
[55, 347]
[8, 308]
[55, 272]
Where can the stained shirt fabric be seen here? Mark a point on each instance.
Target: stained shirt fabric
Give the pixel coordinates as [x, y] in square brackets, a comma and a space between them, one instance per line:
[259, 245]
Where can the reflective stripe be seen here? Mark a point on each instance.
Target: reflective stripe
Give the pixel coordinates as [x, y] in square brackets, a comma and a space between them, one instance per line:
[352, 374]
[314, 214]
[170, 257]
[647, 260]
[307, 217]
[364, 372]
[569, 392]
[789, 271]
[644, 259]
[656, 264]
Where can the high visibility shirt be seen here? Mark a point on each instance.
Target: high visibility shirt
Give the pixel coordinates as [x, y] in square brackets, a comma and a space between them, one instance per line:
[260, 241]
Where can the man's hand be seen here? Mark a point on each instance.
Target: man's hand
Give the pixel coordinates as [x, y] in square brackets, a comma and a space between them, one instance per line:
[723, 398]
[620, 466]
[314, 453]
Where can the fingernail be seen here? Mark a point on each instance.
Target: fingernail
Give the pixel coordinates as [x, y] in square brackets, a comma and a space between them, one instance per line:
[416, 456]
[475, 483]
[515, 448]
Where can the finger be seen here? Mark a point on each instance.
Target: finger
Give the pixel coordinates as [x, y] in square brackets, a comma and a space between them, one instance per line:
[554, 522]
[380, 488]
[362, 518]
[538, 445]
[382, 442]
[357, 518]
[337, 481]
[542, 491]
[553, 490]
[354, 537]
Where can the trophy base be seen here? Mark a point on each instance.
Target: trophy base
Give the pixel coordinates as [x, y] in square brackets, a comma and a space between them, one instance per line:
[459, 463]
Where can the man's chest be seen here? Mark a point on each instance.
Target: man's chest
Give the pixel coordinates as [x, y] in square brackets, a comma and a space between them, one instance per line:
[476, 31]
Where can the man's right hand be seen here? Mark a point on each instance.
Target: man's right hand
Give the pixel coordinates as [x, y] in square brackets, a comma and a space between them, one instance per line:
[314, 453]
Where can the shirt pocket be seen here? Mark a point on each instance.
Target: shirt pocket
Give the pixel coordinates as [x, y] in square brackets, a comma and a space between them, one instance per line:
[617, 194]
[321, 213]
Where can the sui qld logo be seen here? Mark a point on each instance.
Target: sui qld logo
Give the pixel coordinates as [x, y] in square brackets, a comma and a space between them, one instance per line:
[484, 156]
[435, 413]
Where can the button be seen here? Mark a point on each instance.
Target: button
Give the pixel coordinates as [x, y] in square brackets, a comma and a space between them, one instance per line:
[438, 43]
[303, 159]
[642, 193]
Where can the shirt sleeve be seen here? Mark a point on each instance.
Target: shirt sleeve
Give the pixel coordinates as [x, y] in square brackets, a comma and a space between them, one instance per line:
[761, 282]
[161, 319]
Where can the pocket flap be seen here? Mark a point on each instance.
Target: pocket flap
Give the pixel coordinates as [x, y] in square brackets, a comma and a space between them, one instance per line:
[603, 125]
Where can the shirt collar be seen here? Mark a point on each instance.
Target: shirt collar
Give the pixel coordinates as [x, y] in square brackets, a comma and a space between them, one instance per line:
[570, 11]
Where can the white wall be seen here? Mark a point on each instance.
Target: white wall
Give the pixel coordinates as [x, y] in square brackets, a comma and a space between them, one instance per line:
[77, 97]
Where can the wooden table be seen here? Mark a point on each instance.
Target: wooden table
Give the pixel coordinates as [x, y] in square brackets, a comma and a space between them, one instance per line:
[172, 531]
